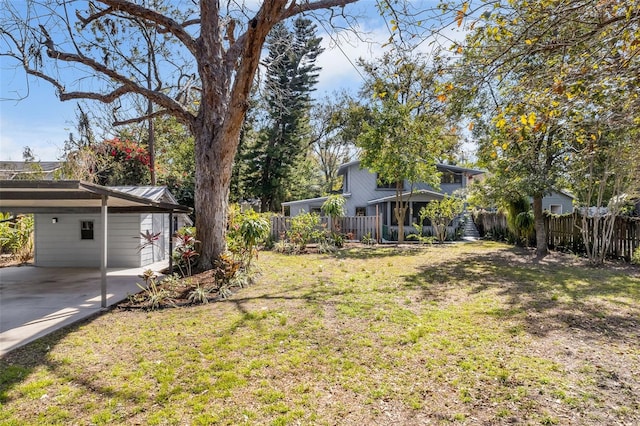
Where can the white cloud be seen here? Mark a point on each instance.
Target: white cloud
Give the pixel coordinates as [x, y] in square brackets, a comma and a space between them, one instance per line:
[342, 51]
[344, 48]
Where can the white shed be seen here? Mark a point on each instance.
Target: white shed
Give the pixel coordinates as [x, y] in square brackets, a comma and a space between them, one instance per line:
[70, 239]
[79, 224]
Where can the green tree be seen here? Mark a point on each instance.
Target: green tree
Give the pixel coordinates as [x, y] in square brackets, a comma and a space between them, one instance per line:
[406, 133]
[32, 169]
[441, 213]
[332, 137]
[334, 208]
[290, 79]
[540, 72]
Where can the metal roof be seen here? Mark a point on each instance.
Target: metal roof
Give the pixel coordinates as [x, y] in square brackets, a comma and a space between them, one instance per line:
[70, 196]
[306, 200]
[13, 169]
[418, 195]
[440, 166]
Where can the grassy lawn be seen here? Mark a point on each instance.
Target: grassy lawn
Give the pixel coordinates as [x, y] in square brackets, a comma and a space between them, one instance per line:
[475, 333]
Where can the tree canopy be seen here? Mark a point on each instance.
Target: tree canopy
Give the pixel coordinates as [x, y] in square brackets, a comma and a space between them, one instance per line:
[547, 78]
[406, 132]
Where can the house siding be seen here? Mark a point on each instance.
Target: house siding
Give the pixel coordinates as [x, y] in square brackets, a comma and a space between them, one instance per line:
[59, 244]
[363, 188]
[558, 199]
[154, 223]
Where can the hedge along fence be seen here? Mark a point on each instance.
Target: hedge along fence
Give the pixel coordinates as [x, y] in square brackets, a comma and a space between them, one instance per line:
[564, 232]
[355, 227]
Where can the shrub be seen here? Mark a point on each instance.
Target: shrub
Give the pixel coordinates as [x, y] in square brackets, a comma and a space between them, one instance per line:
[199, 295]
[286, 247]
[635, 259]
[16, 236]
[367, 239]
[304, 229]
[185, 252]
[155, 295]
[246, 232]
[334, 208]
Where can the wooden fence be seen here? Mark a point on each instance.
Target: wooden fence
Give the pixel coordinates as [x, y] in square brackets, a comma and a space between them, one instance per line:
[564, 232]
[355, 227]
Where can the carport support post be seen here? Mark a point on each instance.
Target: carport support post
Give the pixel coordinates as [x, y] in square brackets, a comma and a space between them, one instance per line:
[103, 253]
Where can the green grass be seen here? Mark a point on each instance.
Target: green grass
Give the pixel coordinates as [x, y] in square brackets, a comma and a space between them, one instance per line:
[455, 334]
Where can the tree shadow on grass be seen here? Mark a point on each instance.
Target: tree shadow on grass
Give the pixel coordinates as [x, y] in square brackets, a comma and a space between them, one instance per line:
[380, 251]
[18, 364]
[559, 292]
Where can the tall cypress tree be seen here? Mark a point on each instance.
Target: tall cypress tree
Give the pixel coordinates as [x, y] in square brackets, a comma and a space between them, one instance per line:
[290, 78]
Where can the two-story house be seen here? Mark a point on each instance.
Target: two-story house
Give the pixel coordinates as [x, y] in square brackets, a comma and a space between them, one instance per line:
[366, 196]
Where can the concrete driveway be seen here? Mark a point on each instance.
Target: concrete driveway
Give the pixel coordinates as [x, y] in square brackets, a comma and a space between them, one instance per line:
[35, 301]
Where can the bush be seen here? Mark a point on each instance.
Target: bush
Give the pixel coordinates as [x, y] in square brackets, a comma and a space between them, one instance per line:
[305, 228]
[185, 252]
[247, 230]
[635, 259]
[16, 236]
[367, 239]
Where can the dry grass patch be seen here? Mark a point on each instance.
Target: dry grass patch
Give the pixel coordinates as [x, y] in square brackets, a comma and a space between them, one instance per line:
[457, 334]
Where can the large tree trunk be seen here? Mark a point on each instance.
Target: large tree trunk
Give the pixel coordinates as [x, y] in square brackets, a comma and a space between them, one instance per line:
[226, 84]
[213, 178]
[541, 234]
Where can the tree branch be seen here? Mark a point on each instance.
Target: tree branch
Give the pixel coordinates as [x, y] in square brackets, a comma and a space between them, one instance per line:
[296, 8]
[167, 23]
[141, 119]
[127, 86]
[86, 21]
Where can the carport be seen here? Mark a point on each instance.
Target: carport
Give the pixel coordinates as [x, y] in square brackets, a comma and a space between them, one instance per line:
[34, 301]
[57, 197]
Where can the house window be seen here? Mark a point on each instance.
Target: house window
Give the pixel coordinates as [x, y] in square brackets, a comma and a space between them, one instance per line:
[317, 210]
[381, 184]
[555, 208]
[345, 183]
[450, 177]
[361, 211]
[86, 230]
[415, 213]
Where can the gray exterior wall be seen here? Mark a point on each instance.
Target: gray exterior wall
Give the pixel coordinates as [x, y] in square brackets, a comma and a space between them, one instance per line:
[360, 187]
[304, 206]
[60, 245]
[564, 202]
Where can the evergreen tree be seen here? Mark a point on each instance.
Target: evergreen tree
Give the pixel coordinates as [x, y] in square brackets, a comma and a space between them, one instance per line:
[282, 144]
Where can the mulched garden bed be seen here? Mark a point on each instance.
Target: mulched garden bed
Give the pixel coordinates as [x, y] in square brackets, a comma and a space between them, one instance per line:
[177, 292]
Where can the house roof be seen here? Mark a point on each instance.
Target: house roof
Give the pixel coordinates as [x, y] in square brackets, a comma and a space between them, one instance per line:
[70, 196]
[440, 166]
[419, 195]
[154, 193]
[306, 200]
[11, 169]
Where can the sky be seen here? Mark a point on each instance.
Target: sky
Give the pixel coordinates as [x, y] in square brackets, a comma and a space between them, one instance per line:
[42, 122]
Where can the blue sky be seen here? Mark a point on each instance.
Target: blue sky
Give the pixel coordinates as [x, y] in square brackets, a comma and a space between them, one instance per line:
[43, 122]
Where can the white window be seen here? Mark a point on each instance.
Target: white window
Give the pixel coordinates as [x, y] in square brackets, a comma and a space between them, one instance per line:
[86, 230]
[555, 208]
[345, 183]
